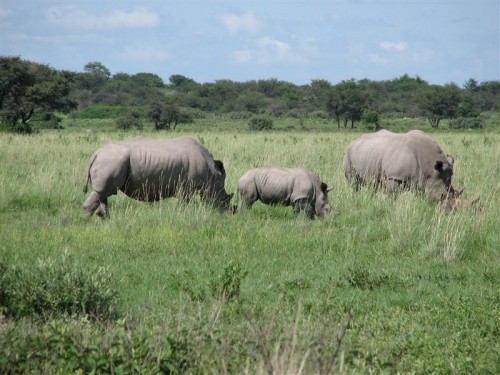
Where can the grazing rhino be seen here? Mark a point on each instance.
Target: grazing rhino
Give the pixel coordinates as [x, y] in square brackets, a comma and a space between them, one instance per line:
[394, 161]
[296, 187]
[150, 169]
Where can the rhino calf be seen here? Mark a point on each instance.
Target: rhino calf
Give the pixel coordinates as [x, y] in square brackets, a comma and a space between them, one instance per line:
[297, 187]
[149, 169]
[395, 161]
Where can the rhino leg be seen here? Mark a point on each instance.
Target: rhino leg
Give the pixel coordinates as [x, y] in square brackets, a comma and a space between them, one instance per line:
[95, 204]
[103, 210]
[91, 204]
[393, 186]
[306, 205]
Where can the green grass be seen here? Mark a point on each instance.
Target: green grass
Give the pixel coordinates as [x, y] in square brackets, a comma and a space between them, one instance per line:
[264, 290]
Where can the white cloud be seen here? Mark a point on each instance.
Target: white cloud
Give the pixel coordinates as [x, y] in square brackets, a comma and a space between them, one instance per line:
[75, 18]
[277, 48]
[393, 46]
[235, 23]
[267, 50]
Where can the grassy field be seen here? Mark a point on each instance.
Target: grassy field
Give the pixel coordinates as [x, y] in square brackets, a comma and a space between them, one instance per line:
[386, 285]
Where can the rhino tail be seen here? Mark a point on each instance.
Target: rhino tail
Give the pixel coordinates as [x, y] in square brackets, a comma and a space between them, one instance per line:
[91, 161]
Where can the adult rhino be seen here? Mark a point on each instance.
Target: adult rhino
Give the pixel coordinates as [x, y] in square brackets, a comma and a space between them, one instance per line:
[297, 187]
[150, 169]
[395, 161]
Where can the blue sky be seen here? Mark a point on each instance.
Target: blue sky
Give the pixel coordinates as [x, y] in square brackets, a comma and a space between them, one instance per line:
[441, 41]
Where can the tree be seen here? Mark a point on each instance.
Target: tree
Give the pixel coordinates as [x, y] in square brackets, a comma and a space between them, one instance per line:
[346, 102]
[27, 88]
[371, 117]
[439, 102]
[164, 114]
[95, 76]
[132, 119]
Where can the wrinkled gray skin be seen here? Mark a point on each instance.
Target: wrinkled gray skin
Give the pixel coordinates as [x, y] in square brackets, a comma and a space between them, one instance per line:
[150, 169]
[295, 187]
[394, 161]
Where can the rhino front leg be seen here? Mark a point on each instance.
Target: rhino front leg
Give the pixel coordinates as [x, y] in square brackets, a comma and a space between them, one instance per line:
[306, 205]
[393, 186]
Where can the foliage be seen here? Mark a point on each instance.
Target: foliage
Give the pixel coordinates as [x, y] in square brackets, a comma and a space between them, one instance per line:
[61, 346]
[227, 286]
[439, 102]
[131, 120]
[100, 111]
[27, 88]
[260, 123]
[467, 123]
[53, 288]
[164, 114]
[371, 117]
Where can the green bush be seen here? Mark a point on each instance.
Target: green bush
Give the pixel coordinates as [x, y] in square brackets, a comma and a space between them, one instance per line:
[131, 120]
[260, 123]
[100, 111]
[68, 347]
[52, 288]
[467, 123]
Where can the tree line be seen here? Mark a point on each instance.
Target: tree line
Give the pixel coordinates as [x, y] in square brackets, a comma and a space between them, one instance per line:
[31, 91]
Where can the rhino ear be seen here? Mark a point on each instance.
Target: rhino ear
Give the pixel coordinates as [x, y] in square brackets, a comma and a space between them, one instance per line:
[324, 187]
[450, 159]
[219, 166]
[439, 165]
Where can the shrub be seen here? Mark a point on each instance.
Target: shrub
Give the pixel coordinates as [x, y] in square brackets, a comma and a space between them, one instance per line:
[100, 111]
[467, 123]
[227, 285]
[131, 120]
[69, 347]
[260, 123]
[56, 288]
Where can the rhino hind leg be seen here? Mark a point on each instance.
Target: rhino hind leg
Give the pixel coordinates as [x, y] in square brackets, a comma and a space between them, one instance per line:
[95, 204]
[103, 210]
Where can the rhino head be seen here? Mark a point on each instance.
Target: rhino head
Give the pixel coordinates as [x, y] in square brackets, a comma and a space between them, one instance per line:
[322, 207]
[217, 194]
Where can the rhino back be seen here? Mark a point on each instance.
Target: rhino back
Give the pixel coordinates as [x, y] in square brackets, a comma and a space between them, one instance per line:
[163, 164]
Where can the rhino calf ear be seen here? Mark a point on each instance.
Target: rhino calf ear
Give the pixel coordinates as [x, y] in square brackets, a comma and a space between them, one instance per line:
[450, 159]
[219, 166]
[439, 165]
[324, 187]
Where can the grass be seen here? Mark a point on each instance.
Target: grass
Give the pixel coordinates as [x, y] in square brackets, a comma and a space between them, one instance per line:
[259, 292]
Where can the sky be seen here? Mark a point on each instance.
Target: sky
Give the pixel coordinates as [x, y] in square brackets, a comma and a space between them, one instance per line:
[441, 41]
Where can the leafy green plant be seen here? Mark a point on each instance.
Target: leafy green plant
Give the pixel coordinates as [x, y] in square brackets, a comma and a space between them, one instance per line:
[260, 123]
[228, 284]
[59, 287]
